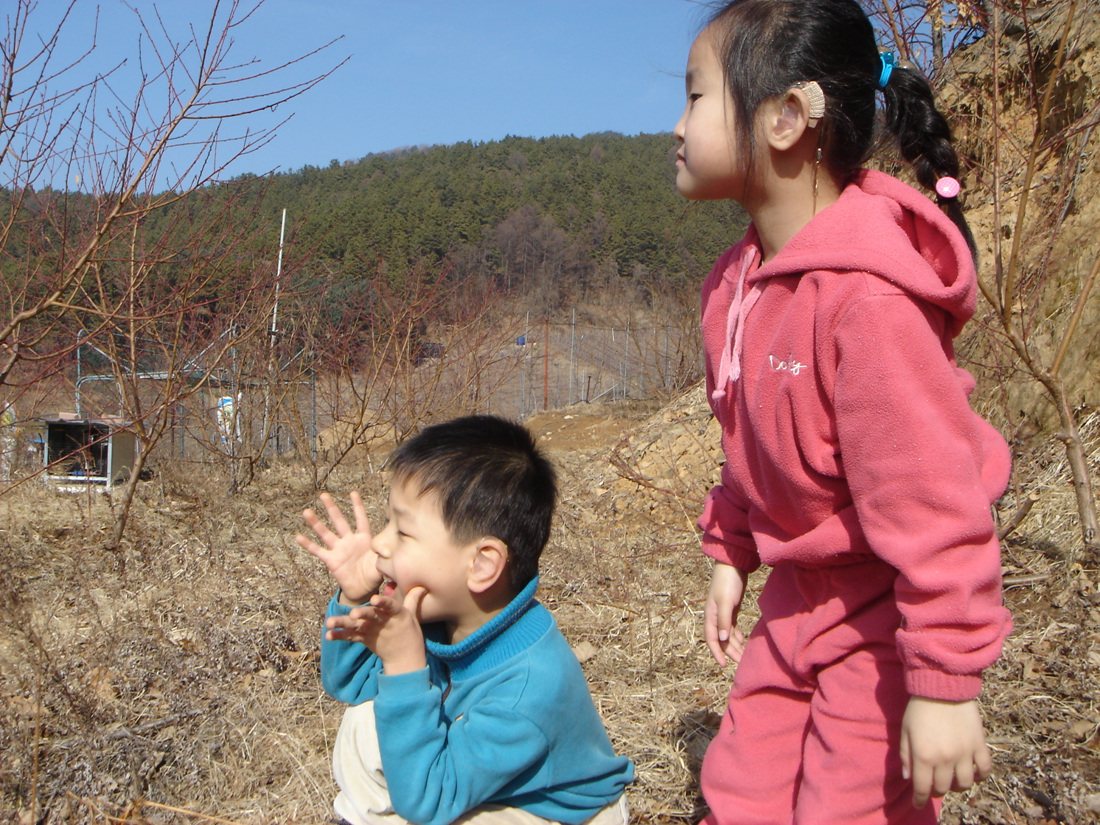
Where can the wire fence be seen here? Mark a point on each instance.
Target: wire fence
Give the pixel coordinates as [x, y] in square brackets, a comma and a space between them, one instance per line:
[520, 369]
[563, 364]
[517, 369]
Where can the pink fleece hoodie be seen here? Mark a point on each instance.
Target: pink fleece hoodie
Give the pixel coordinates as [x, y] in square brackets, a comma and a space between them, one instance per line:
[846, 423]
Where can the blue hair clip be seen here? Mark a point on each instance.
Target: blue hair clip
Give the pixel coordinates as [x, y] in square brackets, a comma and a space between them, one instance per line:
[888, 64]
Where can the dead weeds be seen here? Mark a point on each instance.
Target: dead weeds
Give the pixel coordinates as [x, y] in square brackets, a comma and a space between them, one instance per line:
[176, 679]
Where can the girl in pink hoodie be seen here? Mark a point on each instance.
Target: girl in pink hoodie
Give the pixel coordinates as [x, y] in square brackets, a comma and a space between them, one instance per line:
[855, 467]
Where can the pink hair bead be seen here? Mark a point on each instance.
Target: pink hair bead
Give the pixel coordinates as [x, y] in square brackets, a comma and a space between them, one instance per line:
[948, 187]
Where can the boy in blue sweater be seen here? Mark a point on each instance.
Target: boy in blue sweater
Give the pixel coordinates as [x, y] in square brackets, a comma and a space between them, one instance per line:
[466, 702]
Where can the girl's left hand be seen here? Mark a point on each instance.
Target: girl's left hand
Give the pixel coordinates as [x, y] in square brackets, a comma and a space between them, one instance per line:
[943, 747]
[390, 627]
[727, 589]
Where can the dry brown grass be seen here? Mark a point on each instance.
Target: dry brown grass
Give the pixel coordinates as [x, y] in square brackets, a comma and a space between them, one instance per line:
[176, 680]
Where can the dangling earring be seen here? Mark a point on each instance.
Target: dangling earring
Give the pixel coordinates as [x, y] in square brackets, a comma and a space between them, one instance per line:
[817, 165]
[815, 97]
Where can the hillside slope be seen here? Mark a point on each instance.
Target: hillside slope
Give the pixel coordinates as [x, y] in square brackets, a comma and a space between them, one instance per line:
[1058, 239]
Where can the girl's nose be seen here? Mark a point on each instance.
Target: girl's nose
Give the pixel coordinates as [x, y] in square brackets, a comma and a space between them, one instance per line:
[678, 130]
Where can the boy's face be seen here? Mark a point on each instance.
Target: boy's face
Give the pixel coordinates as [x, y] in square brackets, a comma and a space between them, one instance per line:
[417, 549]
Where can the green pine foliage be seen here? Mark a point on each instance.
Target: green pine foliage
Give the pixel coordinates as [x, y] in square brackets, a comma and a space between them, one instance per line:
[546, 223]
[551, 216]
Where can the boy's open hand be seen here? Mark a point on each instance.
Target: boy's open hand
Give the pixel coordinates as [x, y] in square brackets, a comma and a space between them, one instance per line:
[349, 557]
[389, 626]
[942, 747]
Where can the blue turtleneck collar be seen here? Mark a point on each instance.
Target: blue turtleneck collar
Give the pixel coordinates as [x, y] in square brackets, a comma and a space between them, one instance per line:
[522, 622]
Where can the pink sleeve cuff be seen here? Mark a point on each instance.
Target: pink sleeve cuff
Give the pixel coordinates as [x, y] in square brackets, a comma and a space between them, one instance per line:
[947, 687]
[740, 557]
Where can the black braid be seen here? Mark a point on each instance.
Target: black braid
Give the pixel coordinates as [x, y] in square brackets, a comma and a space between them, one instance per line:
[924, 138]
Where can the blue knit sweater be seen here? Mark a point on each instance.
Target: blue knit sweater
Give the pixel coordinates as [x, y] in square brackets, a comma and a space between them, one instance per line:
[503, 717]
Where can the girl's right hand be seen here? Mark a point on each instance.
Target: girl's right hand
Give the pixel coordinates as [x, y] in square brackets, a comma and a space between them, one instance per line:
[727, 588]
[943, 747]
[350, 556]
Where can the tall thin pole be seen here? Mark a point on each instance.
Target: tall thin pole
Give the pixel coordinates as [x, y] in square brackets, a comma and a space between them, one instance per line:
[79, 341]
[272, 334]
[526, 367]
[572, 346]
[278, 283]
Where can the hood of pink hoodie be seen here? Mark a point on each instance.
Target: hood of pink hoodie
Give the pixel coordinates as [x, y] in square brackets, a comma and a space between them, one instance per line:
[883, 226]
[878, 225]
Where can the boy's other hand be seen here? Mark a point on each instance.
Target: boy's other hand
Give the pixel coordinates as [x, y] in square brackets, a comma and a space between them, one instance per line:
[349, 555]
[942, 747]
[390, 627]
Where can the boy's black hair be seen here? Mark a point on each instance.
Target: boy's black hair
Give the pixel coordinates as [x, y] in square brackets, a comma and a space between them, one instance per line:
[767, 46]
[491, 480]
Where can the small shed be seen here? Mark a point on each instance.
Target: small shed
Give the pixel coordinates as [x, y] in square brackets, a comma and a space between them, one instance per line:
[77, 452]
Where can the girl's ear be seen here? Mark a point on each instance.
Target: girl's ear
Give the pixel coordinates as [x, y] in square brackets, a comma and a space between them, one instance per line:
[488, 564]
[787, 117]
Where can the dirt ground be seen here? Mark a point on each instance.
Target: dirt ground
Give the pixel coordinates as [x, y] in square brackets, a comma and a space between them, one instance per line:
[175, 679]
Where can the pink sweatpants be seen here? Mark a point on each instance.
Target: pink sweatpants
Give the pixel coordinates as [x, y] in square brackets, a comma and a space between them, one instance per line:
[814, 719]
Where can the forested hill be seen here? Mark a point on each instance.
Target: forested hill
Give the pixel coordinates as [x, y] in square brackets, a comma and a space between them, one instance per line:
[555, 216]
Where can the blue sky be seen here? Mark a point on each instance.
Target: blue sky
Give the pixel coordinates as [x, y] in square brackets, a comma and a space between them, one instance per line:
[437, 71]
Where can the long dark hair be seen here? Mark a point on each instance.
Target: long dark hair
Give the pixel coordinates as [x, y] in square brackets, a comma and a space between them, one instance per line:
[767, 46]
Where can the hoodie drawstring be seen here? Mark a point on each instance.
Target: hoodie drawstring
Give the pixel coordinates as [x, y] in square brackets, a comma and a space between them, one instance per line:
[729, 368]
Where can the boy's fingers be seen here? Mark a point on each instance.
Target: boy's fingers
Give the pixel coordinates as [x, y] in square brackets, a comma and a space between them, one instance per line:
[391, 606]
[384, 604]
[413, 599]
[319, 527]
[362, 523]
[307, 545]
[367, 612]
[335, 515]
[346, 624]
[310, 518]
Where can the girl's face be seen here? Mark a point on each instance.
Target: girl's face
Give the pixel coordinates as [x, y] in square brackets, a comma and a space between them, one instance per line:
[707, 163]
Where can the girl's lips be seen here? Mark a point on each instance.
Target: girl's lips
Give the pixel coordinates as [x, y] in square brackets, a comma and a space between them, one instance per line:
[388, 587]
